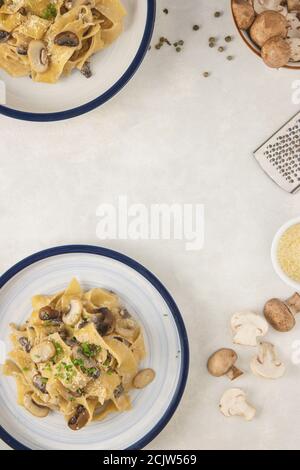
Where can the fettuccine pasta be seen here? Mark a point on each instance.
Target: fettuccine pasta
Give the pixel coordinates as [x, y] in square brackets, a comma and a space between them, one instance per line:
[79, 354]
[47, 39]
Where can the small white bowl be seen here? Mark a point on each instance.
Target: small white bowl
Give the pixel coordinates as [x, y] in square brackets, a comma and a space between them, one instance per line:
[274, 254]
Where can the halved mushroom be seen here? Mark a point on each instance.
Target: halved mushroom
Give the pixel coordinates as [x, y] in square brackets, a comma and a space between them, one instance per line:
[276, 52]
[79, 419]
[281, 315]
[34, 408]
[234, 403]
[67, 39]
[244, 13]
[247, 327]
[43, 352]
[4, 36]
[38, 56]
[40, 383]
[74, 313]
[222, 362]
[266, 364]
[267, 25]
[49, 313]
[143, 378]
[127, 328]
[294, 44]
[25, 343]
[104, 321]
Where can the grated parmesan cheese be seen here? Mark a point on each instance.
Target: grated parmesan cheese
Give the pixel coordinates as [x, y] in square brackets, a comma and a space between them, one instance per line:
[289, 252]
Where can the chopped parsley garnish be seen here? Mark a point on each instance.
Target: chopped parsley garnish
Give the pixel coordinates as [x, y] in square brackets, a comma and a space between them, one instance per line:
[26, 369]
[65, 372]
[78, 362]
[50, 12]
[44, 380]
[109, 372]
[90, 350]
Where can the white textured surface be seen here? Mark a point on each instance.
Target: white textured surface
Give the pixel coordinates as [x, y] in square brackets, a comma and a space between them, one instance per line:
[173, 136]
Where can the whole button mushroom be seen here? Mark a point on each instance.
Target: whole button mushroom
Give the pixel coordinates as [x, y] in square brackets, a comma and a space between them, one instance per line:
[234, 403]
[247, 327]
[267, 25]
[244, 13]
[276, 52]
[281, 315]
[143, 378]
[266, 364]
[222, 362]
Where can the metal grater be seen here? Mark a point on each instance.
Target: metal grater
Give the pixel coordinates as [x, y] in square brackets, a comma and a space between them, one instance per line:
[279, 156]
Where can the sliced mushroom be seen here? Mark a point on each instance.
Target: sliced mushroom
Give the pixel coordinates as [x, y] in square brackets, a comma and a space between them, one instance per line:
[276, 52]
[4, 36]
[49, 313]
[244, 13]
[74, 313]
[127, 328]
[281, 315]
[43, 352]
[105, 22]
[87, 362]
[40, 383]
[144, 378]
[267, 25]
[67, 39]
[104, 321]
[266, 364]
[294, 44]
[86, 70]
[38, 56]
[22, 50]
[24, 342]
[119, 390]
[79, 419]
[34, 408]
[222, 362]
[247, 327]
[234, 403]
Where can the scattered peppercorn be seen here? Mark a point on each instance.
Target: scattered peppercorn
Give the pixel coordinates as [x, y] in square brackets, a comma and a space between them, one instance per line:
[230, 57]
[228, 39]
[217, 14]
[212, 44]
[221, 49]
[206, 74]
[178, 49]
[166, 11]
[180, 43]
[196, 27]
[212, 39]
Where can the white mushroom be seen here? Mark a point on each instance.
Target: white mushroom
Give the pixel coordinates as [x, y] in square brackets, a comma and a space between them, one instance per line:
[266, 364]
[33, 408]
[234, 403]
[294, 44]
[263, 5]
[38, 57]
[222, 362]
[293, 25]
[43, 352]
[73, 315]
[247, 327]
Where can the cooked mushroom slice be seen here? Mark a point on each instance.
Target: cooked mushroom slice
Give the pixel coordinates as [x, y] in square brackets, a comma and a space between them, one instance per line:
[222, 362]
[144, 378]
[128, 328]
[49, 313]
[244, 13]
[267, 25]
[4, 36]
[74, 313]
[34, 408]
[86, 70]
[247, 327]
[38, 57]
[43, 352]
[118, 391]
[104, 321]
[266, 364]
[22, 50]
[234, 403]
[281, 315]
[40, 383]
[67, 39]
[276, 52]
[25, 344]
[79, 419]
[82, 359]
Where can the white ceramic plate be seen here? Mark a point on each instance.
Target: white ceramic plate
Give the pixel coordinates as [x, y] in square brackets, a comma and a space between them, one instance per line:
[24, 99]
[274, 256]
[165, 336]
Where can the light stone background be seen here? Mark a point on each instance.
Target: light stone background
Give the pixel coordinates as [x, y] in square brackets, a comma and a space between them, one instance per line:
[174, 136]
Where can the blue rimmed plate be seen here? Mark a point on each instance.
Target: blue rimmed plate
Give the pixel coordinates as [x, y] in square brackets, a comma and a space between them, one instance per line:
[75, 95]
[166, 341]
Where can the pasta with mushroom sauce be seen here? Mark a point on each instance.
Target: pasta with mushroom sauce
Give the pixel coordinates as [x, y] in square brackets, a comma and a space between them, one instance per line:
[47, 39]
[79, 354]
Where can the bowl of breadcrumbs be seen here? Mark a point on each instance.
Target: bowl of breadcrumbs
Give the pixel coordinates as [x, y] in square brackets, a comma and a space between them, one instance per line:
[285, 253]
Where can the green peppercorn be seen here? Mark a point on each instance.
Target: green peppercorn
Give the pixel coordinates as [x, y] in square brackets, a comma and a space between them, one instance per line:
[217, 14]
[228, 39]
[221, 49]
[178, 49]
[196, 27]
[206, 74]
[230, 57]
